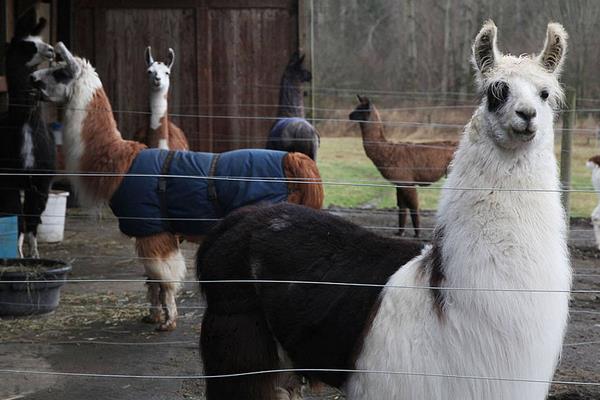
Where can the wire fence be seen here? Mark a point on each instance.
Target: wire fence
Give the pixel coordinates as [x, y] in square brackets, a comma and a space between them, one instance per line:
[343, 183]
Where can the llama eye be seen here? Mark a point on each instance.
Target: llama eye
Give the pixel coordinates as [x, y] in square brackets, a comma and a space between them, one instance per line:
[544, 94]
[497, 95]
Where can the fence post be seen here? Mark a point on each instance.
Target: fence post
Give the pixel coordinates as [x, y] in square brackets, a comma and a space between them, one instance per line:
[569, 120]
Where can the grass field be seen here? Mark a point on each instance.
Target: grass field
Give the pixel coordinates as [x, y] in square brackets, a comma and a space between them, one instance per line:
[343, 159]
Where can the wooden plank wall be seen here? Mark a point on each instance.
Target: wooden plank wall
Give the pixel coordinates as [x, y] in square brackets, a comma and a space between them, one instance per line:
[230, 55]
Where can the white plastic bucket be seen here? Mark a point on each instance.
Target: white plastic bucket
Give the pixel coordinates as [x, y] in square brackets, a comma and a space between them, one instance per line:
[52, 228]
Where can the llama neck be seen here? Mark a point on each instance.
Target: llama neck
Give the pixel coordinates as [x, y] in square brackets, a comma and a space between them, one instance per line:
[20, 92]
[159, 123]
[291, 99]
[519, 233]
[93, 144]
[373, 137]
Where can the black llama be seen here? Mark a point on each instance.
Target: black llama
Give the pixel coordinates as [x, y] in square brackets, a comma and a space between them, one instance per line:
[25, 142]
[292, 132]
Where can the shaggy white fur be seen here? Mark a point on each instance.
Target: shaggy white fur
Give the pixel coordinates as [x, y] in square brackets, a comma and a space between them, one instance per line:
[595, 168]
[492, 238]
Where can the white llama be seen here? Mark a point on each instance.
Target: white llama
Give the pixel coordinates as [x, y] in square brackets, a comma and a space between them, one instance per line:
[594, 165]
[160, 132]
[493, 233]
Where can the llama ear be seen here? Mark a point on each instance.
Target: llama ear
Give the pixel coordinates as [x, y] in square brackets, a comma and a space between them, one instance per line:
[66, 55]
[555, 48]
[363, 99]
[148, 56]
[294, 59]
[39, 27]
[26, 24]
[171, 58]
[485, 50]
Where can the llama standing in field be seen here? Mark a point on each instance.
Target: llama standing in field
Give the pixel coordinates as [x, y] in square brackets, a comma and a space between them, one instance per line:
[160, 132]
[406, 164]
[430, 339]
[594, 165]
[25, 143]
[150, 207]
[291, 131]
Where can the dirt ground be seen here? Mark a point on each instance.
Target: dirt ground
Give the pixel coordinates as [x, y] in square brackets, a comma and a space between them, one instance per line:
[98, 330]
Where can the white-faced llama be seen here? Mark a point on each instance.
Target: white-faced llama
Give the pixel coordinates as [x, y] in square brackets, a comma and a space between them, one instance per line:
[594, 165]
[291, 131]
[406, 164]
[151, 206]
[492, 290]
[26, 145]
[160, 132]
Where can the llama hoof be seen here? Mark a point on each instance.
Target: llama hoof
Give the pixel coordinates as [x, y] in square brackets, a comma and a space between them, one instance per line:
[400, 233]
[167, 326]
[151, 319]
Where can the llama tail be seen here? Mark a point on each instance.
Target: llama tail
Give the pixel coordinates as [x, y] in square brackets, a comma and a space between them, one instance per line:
[235, 336]
[309, 193]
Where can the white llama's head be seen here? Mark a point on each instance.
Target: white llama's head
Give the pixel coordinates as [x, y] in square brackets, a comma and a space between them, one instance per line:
[56, 84]
[158, 72]
[519, 94]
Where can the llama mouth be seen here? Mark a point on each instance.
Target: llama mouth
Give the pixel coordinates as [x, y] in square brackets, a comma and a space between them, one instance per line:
[525, 135]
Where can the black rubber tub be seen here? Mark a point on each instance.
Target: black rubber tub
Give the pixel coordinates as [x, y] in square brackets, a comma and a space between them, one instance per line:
[30, 286]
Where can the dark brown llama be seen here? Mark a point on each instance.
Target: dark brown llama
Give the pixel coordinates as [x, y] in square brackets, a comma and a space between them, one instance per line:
[292, 132]
[402, 163]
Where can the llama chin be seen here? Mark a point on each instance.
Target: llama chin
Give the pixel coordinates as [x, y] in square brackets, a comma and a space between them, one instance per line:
[488, 299]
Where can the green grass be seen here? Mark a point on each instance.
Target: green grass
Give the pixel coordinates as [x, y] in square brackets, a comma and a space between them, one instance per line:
[342, 159]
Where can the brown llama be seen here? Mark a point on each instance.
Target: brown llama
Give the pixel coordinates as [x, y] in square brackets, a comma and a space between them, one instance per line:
[133, 180]
[160, 131]
[405, 163]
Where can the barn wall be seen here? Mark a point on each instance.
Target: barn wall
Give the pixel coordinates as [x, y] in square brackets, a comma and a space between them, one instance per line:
[229, 59]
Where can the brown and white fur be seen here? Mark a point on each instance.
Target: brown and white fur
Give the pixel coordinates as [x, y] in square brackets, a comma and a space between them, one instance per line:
[93, 144]
[160, 132]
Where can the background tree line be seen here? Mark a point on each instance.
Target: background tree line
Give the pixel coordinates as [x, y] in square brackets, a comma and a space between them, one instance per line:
[425, 45]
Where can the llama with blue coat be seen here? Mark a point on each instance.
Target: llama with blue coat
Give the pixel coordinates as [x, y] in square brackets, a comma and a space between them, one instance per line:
[159, 195]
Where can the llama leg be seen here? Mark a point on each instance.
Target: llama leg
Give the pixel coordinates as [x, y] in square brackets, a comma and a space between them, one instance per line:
[163, 262]
[402, 214]
[412, 200]
[34, 205]
[155, 315]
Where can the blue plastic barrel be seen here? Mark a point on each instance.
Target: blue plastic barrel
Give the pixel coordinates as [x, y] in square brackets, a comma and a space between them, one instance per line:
[9, 234]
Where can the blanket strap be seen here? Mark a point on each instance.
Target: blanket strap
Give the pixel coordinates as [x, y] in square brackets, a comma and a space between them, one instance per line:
[162, 190]
[212, 188]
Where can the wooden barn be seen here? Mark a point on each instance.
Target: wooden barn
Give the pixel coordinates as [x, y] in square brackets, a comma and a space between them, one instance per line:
[230, 55]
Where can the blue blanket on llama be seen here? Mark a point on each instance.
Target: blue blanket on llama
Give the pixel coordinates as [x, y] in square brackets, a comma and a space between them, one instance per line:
[277, 129]
[188, 204]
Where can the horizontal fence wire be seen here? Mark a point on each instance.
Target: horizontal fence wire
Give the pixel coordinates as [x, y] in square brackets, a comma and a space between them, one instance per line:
[314, 119]
[303, 282]
[299, 370]
[308, 181]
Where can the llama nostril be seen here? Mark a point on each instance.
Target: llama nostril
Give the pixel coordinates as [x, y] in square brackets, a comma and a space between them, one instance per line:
[526, 115]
